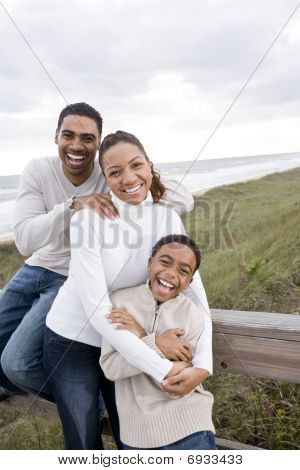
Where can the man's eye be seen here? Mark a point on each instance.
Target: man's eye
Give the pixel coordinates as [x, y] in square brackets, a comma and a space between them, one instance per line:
[184, 272]
[68, 136]
[88, 139]
[164, 261]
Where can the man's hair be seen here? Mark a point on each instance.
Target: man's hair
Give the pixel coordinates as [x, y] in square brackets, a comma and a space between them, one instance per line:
[182, 240]
[81, 109]
[157, 188]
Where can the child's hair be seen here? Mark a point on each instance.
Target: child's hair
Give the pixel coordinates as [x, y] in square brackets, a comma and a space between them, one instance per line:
[157, 188]
[182, 240]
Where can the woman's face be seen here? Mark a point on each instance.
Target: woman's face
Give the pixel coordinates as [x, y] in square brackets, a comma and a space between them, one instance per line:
[127, 172]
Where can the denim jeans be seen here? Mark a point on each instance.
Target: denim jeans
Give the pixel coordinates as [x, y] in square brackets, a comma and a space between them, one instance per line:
[203, 440]
[76, 379]
[24, 304]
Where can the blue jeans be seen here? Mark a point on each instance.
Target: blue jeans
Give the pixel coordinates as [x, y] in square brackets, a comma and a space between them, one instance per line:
[76, 380]
[24, 304]
[203, 440]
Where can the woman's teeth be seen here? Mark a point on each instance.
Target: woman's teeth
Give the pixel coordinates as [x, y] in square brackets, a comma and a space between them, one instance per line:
[132, 190]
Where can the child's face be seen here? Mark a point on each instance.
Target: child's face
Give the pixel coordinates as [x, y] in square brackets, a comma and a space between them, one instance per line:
[171, 270]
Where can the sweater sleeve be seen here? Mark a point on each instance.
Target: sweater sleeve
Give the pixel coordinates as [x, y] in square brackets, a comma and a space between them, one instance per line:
[115, 366]
[177, 196]
[34, 227]
[203, 355]
[86, 269]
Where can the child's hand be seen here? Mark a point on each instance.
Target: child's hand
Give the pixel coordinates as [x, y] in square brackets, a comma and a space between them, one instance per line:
[126, 322]
[173, 347]
[178, 366]
[185, 381]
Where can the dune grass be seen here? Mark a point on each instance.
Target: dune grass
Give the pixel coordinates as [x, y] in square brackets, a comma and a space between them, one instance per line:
[249, 234]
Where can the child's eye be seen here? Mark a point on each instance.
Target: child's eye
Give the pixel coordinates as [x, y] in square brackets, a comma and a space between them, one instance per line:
[164, 262]
[184, 272]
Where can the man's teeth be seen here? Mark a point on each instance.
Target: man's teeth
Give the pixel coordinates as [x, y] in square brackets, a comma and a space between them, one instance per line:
[166, 284]
[75, 157]
[132, 190]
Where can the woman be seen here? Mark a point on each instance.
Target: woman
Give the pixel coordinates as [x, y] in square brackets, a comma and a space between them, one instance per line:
[107, 256]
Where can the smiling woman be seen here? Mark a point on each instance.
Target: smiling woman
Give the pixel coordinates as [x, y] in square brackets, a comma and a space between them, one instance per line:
[106, 256]
[127, 168]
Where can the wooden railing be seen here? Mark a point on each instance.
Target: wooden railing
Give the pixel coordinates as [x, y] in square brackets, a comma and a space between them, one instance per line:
[256, 344]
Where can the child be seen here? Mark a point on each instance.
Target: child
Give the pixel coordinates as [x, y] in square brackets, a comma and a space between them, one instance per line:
[149, 417]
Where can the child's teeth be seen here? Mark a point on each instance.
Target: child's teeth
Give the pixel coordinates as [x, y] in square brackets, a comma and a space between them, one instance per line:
[165, 283]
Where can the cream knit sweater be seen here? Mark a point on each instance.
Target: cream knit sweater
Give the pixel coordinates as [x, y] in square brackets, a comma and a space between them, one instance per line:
[149, 418]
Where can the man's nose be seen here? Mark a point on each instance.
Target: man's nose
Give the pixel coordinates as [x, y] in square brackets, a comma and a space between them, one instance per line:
[76, 144]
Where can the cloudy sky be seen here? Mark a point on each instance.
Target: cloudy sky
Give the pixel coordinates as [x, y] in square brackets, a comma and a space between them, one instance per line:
[166, 70]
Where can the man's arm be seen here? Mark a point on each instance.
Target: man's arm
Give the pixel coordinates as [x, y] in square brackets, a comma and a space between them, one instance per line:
[177, 196]
[34, 226]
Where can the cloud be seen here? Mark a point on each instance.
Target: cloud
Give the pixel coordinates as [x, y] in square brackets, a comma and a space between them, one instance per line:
[170, 66]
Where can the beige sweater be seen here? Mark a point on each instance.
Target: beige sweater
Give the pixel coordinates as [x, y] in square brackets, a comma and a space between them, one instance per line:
[148, 416]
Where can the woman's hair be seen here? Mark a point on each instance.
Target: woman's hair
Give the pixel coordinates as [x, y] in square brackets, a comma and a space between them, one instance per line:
[157, 188]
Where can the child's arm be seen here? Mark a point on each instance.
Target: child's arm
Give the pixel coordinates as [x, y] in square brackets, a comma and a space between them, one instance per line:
[115, 367]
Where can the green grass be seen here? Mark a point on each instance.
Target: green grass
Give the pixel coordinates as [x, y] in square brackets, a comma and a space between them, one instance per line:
[250, 241]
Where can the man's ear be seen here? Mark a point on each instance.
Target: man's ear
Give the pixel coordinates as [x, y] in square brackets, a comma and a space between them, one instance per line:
[149, 264]
[56, 136]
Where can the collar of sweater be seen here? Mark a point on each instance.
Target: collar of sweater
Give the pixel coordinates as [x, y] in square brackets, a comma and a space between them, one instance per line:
[134, 210]
[169, 303]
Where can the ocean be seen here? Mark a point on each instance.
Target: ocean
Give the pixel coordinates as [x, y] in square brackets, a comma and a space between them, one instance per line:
[197, 176]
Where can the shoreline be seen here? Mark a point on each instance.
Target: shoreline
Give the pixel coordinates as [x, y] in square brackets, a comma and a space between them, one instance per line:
[9, 237]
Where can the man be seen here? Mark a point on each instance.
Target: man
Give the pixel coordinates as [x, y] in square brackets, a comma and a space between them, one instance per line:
[51, 189]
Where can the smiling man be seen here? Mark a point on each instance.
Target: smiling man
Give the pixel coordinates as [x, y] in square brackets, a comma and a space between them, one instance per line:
[51, 190]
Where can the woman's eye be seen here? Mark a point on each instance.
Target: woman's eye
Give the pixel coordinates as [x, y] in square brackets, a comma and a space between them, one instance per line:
[113, 173]
[137, 165]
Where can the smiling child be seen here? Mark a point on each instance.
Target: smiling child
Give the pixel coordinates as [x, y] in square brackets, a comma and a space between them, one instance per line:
[149, 417]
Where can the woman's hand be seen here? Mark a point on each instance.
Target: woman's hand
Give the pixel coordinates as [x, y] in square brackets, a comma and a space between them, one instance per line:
[185, 381]
[173, 347]
[119, 315]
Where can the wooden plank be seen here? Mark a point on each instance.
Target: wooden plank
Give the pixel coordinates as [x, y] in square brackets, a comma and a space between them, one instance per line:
[263, 324]
[258, 357]
[225, 444]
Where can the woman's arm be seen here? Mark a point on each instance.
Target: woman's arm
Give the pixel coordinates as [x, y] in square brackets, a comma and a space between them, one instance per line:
[87, 271]
[203, 354]
[115, 366]
[177, 197]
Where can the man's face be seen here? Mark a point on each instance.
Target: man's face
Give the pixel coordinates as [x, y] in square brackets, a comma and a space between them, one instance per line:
[171, 270]
[78, 140]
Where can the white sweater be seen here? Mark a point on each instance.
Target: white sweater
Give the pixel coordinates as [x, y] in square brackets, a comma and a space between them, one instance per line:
[111, 255]
[42, 214]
